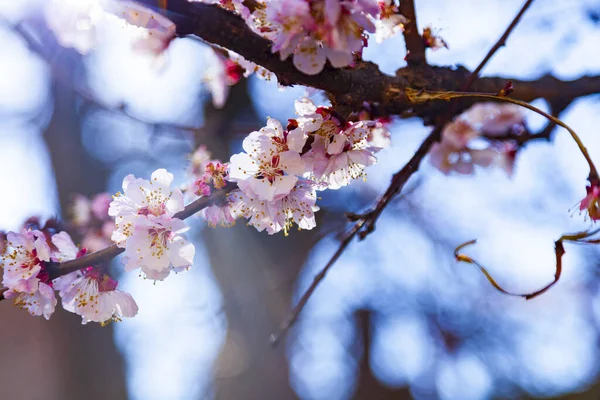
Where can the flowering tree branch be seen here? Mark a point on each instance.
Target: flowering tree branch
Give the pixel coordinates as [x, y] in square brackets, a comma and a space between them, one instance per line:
[107, 254]
[365, 82]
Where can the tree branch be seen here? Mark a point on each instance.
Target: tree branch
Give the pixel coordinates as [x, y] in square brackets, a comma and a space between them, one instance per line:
[415, 48]
[365, 82]
[501, 42]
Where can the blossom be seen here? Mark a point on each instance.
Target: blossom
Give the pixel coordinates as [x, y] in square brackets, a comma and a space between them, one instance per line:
[339, 156]
[298, 207]
[496, 119]
[389, 21]
[25, 274]
[90, 218]
[221, 73]
[146, 227]
[266, 170]
[75, 24]
[317, 31]
[88, 292]
[591, 202]
[463, 145]
[432, 40]
[215, 174]
[221, 215]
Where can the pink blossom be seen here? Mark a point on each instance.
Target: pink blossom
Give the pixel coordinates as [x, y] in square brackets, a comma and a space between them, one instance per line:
[91, 219]
[339, 156]
[214, 175]
[298, 207]
[591, 202]
[218, 215]
[25, 274]
[75, 24]
[88, 292]
[496, 119]
[319, 30]
[146, 227]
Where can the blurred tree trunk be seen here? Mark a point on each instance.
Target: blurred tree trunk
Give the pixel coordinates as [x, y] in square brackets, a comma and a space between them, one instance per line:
[91, 367]
[256, 273]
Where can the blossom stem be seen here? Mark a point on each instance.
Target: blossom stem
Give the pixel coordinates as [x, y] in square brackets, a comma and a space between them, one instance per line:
[419, 96]
[579, 237]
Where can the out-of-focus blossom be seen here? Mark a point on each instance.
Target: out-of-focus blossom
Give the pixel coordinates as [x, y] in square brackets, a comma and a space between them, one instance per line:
[469, 140]
[433, 40]
[496, 119]
[220, 74]
[25, 274]
[91, 220]
[76, 24]
[88, 292]
[218, 215]
[389, 22]
[146, 228]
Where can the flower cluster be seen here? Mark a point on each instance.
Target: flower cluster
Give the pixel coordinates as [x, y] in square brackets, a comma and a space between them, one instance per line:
[89, 292]
[281, 169]
[317, 30]
[146, 226]
[480, 136]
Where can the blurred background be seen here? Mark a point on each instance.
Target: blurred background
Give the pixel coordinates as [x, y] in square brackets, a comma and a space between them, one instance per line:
[396, 318]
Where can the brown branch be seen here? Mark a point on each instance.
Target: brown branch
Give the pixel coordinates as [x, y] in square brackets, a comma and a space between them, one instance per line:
[365, 82]
[415, 48]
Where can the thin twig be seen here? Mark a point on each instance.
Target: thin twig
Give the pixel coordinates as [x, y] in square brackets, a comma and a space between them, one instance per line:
[415, 48]
[295, 312]
[367, 221]
[501, 42]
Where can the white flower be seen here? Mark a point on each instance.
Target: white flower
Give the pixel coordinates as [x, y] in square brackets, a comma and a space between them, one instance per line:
[146, 227]
[25, 274]
[218, 215]
[389, 21]
[266, 170]
[88, 292]
[298, 207]
[338, 158]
